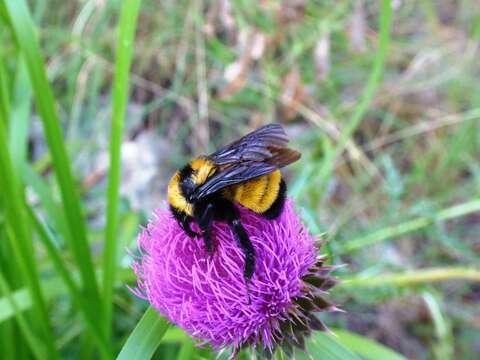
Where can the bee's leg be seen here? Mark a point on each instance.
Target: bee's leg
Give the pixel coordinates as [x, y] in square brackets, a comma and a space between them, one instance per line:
[204, 217]
[184, 220]
[207, 237]
[248, 250]
[229, 213]
[246, 245]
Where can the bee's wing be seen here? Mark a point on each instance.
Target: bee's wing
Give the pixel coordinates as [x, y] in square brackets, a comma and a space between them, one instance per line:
[256, 154]
[253, 146]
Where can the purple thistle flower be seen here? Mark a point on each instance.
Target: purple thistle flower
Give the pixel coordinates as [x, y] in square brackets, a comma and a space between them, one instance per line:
[207, 297]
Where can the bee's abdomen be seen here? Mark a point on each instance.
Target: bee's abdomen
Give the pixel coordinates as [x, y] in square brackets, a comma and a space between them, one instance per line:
[257, 194]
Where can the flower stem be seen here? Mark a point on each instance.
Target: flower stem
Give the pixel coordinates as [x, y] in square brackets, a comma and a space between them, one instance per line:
[279, 354]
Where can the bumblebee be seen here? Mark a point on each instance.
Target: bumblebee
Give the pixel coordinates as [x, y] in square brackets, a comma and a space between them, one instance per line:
[245, 172]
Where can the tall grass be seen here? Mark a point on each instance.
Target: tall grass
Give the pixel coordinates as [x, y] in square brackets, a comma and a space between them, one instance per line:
[367, 95]
[127, 24]
[23, 29]
[20, 240]
[75, 230]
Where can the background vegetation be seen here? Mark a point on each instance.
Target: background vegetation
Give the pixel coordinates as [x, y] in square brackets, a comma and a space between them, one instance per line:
[381, 97]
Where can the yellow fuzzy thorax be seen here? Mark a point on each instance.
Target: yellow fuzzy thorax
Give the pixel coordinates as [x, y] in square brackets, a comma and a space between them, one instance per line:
[202, 170]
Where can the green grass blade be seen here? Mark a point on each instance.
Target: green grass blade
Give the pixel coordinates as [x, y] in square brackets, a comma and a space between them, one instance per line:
[367, 348]
[444, 347]
[174, 335]
[51, 288]
[23, 301]
[145, 338]
[367, 95]
[410, 226]
[416, 277]
[321, 346]
[38, 349]
[20, 116]
[7, 340]
[128, 21]
[4, 93]
[24, 31]
[73, 290]
[21, 239]
[40, 187]
[187, 350]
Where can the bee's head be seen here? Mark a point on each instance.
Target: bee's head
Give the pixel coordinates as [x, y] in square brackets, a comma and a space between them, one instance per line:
[187, 185]
[193, 175]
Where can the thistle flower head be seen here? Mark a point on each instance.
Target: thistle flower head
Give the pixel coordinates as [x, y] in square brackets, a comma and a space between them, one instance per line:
[207, 296]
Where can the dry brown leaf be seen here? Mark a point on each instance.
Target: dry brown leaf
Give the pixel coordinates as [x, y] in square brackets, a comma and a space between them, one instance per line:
[251, 47]
[291, 11]
[293, 93]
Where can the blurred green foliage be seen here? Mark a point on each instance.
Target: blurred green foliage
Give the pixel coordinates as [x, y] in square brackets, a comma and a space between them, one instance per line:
[386, 112]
